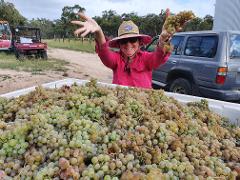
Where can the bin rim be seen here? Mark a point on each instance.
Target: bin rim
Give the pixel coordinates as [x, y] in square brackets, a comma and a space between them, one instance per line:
[226, 109]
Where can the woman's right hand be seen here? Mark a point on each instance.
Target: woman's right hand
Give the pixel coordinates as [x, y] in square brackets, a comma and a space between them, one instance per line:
[87, 26]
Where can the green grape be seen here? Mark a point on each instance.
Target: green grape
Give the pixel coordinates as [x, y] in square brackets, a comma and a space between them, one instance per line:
[95, 132]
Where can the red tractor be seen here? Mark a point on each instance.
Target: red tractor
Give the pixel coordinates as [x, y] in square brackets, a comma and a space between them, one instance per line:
[27, 43]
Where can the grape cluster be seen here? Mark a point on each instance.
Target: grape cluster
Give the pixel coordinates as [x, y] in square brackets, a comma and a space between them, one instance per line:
[175, 23]
[13, 139]
[95, 132]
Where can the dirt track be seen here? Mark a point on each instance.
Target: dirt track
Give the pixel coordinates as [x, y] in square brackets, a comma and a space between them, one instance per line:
[82, 66]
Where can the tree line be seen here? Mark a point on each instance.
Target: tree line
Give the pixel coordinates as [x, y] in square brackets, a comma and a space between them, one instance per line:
[149, 24]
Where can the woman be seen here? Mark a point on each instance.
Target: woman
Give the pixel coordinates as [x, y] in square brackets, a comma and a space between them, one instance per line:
[130, 66]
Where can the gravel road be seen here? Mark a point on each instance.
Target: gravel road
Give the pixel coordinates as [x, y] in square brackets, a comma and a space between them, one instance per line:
[81, 65]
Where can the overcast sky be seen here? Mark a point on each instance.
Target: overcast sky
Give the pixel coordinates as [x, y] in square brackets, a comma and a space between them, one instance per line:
[52, 9]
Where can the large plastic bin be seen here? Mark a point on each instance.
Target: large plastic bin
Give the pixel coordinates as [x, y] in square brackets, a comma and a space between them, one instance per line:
[226, 109]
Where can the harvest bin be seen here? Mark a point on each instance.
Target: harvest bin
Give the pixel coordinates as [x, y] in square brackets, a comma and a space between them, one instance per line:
[116, 134]
[225, 109]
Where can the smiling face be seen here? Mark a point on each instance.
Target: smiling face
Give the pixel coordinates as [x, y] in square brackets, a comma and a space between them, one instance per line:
[129, 46]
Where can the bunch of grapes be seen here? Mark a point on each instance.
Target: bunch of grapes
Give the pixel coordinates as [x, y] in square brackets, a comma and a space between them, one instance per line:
[175, 23]
[13, 139]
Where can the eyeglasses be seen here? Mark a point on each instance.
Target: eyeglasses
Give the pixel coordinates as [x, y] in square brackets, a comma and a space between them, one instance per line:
[131, 40]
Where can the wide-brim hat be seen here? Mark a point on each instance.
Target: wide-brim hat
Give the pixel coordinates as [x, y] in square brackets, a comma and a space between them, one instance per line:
[128, 30]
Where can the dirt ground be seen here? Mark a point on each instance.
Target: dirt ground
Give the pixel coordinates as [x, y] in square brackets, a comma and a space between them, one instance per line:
[82, 66]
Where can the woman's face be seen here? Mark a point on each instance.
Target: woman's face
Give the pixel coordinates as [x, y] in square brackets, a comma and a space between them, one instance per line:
[129, 46]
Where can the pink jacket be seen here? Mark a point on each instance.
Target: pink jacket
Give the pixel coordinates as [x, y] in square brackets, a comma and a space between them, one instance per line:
[141, 67]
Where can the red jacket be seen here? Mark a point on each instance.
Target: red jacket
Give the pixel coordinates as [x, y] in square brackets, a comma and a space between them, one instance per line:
[140, 74]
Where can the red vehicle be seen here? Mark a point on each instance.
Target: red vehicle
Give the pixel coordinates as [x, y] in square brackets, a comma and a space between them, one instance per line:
[5, 36]
[27, 42]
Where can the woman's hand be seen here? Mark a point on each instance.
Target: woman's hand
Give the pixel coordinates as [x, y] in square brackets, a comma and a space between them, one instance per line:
[165, 36]
[174, 24]
[87, 26]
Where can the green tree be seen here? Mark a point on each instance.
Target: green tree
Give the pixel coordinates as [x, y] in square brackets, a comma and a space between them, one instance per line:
[46, 26]
[109, 22]
[151, 24]
[193, 25]
[207, 23]
[59, 32]
[131, 16]
[11, 14]
[69, 14]
[198, 24]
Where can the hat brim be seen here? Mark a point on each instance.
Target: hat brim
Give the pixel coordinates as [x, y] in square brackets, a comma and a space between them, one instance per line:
[145, 39]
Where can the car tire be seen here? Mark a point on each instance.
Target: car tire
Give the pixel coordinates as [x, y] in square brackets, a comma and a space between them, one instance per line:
[16, 53]
[44, 55]
[181, 86]
[21, 56]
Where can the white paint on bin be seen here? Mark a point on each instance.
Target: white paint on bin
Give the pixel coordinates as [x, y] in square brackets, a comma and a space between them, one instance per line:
[226, 109]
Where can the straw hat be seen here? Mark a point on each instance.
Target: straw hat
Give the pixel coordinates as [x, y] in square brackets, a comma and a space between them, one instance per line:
[127, 30]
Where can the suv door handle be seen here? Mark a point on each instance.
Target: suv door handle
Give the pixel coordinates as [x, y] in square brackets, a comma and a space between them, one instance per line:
[173, 62]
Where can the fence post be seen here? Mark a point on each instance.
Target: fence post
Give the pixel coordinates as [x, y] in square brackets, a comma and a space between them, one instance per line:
[90, 39]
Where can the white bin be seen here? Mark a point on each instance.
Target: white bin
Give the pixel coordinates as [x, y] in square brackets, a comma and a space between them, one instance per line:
[225, 109]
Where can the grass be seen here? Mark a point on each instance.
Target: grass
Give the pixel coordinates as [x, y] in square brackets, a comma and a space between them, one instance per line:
[73, 44]
[35, 66]
[38, 66]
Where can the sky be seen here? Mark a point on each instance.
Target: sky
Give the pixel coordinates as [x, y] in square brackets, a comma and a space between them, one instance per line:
[52, 9]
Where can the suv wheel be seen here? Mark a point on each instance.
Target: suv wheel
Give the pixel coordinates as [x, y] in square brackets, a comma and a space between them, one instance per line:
[181, 86]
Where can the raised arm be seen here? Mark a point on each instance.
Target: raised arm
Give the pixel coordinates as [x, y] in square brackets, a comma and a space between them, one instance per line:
[89, 25]
[165, 36]
[163, 49]
[172, 24]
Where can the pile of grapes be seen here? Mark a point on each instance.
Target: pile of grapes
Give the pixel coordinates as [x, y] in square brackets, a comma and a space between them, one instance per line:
[94, 132]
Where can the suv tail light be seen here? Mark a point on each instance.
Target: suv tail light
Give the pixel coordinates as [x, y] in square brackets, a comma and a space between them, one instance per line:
[221, 75]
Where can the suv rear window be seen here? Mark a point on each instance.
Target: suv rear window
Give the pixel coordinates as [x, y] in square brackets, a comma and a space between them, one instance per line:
[201, 46]
[235, 46]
